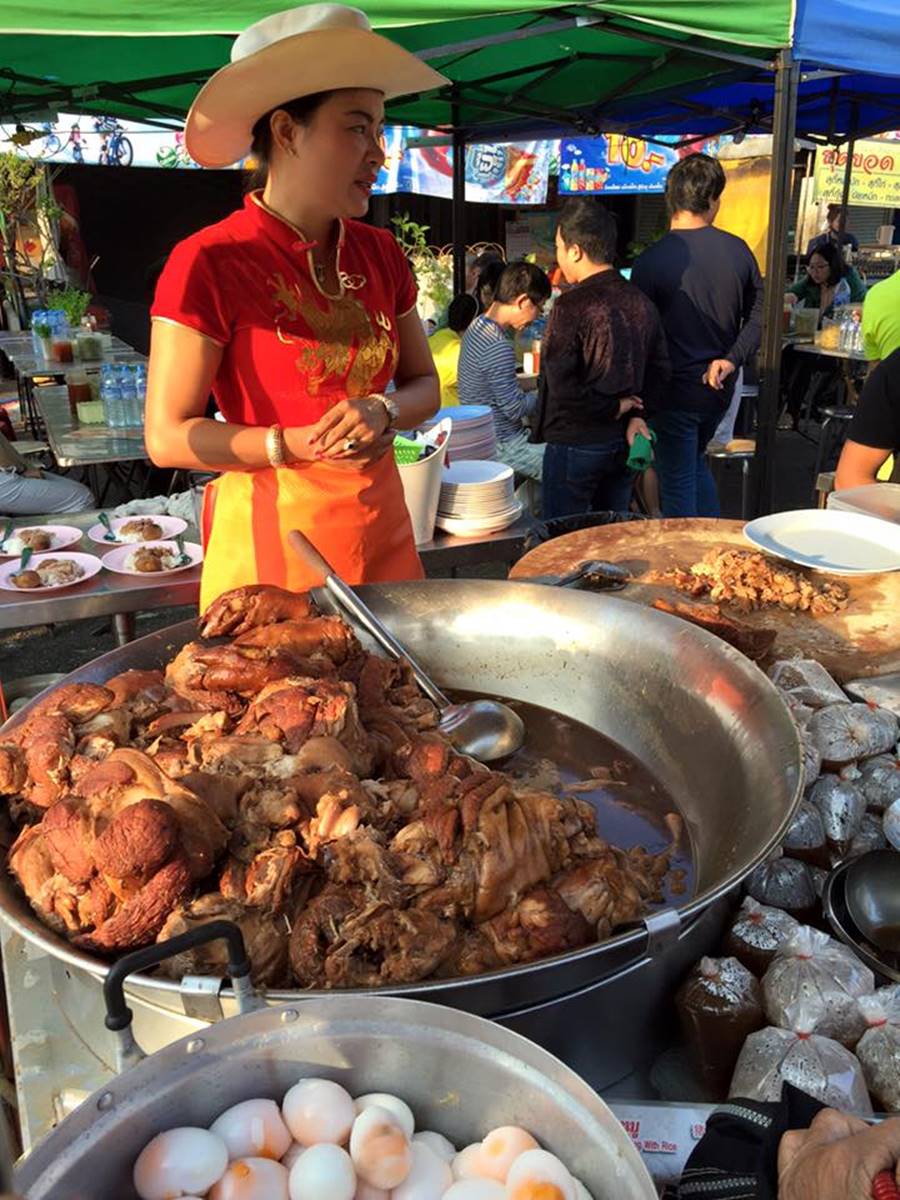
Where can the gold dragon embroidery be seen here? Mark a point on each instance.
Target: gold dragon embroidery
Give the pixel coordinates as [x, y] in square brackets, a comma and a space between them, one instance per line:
[335, 333]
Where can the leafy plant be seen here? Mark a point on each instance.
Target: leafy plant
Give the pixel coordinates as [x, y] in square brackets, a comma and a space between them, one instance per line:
[26, 205]
[433, 268]
[73, 302]
[42, 329]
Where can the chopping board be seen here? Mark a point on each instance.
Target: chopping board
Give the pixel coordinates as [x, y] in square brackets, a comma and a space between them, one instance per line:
[863, 639]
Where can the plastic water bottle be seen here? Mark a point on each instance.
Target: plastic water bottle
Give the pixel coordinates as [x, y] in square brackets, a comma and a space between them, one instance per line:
[111, 395]
[127, 392]
[140, 387]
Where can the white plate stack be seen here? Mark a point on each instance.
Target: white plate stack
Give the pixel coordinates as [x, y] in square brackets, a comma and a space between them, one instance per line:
[477, 497]
[473, 433]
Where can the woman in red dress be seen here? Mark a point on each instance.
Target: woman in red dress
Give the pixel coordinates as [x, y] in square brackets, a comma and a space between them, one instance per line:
[294, 314]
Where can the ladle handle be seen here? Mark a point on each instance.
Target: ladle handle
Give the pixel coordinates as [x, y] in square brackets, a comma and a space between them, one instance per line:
[363, 616]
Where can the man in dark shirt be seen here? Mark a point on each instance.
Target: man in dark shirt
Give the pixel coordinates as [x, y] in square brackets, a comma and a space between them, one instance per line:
[709, 293]
[833, 232]
[874, 431]
[604, 363]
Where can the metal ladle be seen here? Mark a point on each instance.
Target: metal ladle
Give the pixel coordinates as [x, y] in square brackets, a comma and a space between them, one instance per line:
[485, 729]
[872, 893]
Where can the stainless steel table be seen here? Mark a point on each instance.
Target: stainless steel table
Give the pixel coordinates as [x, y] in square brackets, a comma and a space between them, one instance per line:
[77, 445]
[121, 596]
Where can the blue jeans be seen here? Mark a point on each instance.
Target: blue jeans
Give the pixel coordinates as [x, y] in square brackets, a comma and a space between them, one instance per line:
[581, 479]
[685, 481]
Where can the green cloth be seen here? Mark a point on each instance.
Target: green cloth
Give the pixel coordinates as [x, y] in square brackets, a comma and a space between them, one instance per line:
[881, 319]
[489, 48]
[809, 293]
[640, 456]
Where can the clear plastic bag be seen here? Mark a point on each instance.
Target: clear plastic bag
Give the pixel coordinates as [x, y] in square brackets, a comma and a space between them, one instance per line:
[879, 1047]
[812, 759]
[813, 970]
[805, 836]
[842, 807]
[756, 934]
[844, 733]
[869, 837]
[807, 682]
[784, 883]
[718, 1005]
[817, 1065]
[890, 823]
[880, 781]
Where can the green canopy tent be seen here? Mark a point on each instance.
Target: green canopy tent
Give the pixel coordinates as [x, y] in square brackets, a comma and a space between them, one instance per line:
[514, 65]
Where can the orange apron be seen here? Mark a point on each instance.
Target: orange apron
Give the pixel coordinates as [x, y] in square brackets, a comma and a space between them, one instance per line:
[356, 518]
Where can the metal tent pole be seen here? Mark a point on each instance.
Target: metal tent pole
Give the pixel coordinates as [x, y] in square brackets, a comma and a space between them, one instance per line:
[784, 120]
[459, 201]
[848, 168]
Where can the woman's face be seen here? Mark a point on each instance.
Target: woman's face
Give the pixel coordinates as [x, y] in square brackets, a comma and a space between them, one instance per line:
[818, 270]
[337, 156]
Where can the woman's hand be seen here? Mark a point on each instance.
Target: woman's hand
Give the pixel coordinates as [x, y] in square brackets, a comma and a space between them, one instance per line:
[790, 299]
[350, 428]
[629, 404]
[635, 426]
[837, 1158]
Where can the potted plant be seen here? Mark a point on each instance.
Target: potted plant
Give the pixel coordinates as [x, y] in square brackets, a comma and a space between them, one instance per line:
[433, 268]
[73, 302]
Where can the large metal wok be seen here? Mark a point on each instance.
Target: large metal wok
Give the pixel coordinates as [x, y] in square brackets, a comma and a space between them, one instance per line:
[705, 720]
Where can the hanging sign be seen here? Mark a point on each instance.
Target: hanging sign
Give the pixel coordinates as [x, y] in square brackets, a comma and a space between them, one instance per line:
[874, 178]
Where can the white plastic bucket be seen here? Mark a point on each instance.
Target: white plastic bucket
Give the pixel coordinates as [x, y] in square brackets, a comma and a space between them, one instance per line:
[422, 489]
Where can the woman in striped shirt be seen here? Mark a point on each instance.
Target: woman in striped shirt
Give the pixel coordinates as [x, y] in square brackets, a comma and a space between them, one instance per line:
[487, 364]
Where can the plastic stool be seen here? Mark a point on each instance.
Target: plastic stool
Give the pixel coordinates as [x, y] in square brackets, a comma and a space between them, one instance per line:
[833, 433]
[740, 450]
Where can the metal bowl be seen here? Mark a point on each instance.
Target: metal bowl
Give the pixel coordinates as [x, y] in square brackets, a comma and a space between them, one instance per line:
[702, 717]
[462, 1075]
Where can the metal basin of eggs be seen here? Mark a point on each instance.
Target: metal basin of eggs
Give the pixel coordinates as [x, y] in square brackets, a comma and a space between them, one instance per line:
[321, 1144]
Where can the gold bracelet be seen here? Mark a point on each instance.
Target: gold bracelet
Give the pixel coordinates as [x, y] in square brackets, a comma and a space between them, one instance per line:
[275, 448]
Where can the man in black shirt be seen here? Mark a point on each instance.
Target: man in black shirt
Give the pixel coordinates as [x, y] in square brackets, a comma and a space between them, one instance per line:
[709, 293]
[875, 429]
[604, 363]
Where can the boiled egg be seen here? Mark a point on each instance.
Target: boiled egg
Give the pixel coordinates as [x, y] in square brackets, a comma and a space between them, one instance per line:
[293, 1153]
[379, 1148]
[539, 1175]
[253, 1129]
[179, 1162]
[323, 1172]
[428, 1178]
[442, 1146]
[476, 1189]
[393, 1104]
[365, 1191]
[318, 1110]
[499, 1150]
[252, 1179]
[466, 1164]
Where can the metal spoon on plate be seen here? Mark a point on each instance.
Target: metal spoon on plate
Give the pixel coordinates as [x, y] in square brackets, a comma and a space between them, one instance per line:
[484, 729]
[183, 557]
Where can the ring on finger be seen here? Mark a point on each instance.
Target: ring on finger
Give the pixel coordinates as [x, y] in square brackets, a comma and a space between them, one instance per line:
[350, 445]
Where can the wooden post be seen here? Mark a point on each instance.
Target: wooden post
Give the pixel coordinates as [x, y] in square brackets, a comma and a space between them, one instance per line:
[459, 201]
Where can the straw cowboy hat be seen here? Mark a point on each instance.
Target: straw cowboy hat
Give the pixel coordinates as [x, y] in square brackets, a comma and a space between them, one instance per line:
[313, 48]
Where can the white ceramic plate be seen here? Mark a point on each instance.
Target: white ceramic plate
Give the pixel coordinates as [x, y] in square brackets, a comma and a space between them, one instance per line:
[840, 543]
[170, 526]
[91, 565]
[476, 472]
[62, 535]
[472, 528]
[115, 559]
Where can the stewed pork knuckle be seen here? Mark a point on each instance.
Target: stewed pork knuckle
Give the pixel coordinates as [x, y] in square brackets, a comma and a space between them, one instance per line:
[297, 784]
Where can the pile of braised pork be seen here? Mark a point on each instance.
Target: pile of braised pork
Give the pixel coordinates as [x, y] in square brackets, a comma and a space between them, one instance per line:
[290, 781]
[749, 581]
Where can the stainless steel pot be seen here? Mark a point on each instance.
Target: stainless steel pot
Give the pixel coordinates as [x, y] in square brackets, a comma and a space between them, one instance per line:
[462, 1075]
[704, 719]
